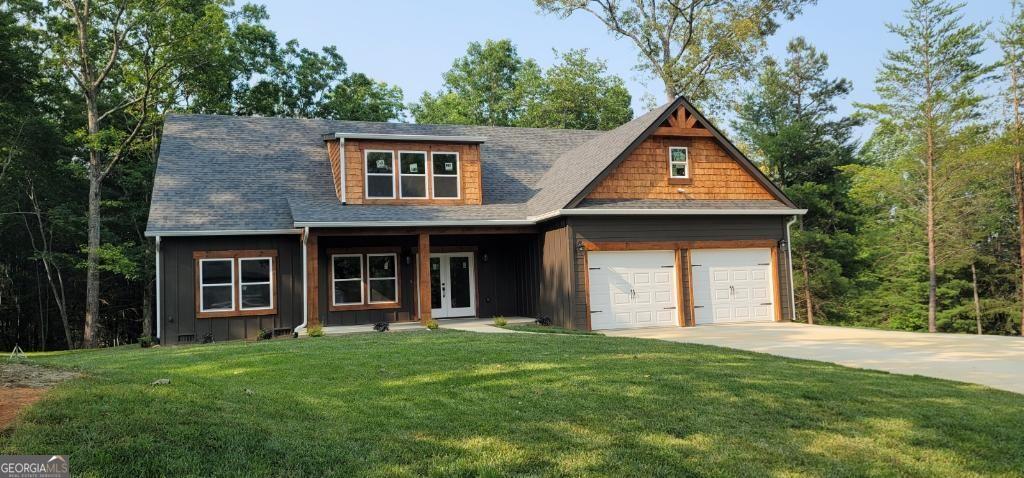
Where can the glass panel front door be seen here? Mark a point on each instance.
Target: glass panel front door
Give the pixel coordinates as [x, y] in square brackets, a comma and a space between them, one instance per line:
[452, 285]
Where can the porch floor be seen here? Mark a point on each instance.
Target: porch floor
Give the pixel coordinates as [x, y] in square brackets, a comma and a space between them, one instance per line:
[471, 324]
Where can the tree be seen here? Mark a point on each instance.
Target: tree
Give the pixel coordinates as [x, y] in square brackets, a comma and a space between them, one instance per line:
[697, 48]
[492, 85]
[929, 89]
[361, 98]
[789, 120]
[1011, 42]
[578, 93]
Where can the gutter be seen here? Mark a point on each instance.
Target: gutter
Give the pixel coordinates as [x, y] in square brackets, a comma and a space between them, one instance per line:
[158, 318]
[305, 286]
[789, 252]
[223, 232]
[533, 220]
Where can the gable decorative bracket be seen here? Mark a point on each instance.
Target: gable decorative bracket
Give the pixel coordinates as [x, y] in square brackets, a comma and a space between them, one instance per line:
[682, 123]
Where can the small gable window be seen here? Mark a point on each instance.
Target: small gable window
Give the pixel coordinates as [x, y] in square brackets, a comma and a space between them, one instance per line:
[678, 163]
[446, 175]
[413, 174]
[380, 174]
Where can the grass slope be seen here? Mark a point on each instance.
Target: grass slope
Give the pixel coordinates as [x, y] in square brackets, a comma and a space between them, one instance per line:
[548, 329]
[452, 403]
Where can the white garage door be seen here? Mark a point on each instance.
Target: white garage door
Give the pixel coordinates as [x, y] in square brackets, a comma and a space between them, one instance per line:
[732, 285]
[632, 289]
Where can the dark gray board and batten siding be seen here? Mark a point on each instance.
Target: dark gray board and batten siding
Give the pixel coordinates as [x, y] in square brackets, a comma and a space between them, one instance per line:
[178, 286]
[666, 228]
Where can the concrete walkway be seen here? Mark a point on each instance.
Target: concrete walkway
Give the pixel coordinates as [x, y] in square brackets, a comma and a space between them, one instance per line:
[995, 361]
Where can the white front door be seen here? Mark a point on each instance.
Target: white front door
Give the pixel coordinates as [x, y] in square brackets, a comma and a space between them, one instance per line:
[452, 285]
[733, 285]
[632, 289]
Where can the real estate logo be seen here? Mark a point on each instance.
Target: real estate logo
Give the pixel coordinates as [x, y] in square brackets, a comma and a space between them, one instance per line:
[34, 466]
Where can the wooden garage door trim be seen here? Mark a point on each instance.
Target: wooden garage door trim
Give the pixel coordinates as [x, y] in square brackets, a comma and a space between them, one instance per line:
[673, 245]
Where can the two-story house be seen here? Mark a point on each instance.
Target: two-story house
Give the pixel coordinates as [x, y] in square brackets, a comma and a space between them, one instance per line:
[280, 224]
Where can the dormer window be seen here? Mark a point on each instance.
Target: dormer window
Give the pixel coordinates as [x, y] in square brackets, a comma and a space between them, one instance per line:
[380, 174]
[413, 174]
[679, 163]
[446, 175]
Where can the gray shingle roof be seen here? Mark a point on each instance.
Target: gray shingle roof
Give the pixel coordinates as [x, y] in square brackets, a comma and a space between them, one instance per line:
[238, 173]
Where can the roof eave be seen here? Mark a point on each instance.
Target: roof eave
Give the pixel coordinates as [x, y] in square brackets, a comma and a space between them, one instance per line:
[410, 137]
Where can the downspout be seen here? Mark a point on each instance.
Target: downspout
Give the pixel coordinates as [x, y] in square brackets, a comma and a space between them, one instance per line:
[305, 286]
[341, 172]
[789, 254]
[158, 318]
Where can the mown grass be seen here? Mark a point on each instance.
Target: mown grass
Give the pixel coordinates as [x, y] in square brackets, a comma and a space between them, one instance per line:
[548, 329]
[449, 403]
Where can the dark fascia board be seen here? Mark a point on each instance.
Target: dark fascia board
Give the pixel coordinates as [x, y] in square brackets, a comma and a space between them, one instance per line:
[730, 148]
[407, 137]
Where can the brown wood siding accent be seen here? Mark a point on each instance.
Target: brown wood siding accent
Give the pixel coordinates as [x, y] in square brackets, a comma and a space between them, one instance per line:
[669, 233]
[691, 314]
[178, 288]
[237, 285]
[557, 276]
[713, 174]
[334, 155]
[681, 281]
[776, 286]
[423, 267]
[470, 173]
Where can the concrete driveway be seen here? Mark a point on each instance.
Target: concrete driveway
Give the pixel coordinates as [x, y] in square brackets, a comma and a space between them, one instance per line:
[995, 361]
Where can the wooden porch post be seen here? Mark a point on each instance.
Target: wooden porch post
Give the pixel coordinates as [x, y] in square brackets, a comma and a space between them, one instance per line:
[424, 279]
[313, 279]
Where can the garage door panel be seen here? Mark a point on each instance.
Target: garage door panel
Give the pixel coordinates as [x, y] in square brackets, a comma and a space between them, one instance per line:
[640, 287]
[732, 285]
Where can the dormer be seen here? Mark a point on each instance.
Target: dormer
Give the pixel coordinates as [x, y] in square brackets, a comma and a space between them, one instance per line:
[405, 169]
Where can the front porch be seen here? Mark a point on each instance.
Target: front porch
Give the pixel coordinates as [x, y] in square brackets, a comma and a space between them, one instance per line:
[359, 277]
[482, 325]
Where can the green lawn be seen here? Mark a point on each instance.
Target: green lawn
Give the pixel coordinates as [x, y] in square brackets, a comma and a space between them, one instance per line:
[450, 403]
[548, 329]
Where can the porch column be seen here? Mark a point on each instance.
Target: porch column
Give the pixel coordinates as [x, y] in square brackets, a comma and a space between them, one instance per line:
[313, 279]
[424, 279]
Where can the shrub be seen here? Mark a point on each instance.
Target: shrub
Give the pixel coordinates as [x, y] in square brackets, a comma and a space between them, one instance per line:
[208, 338]
[145, 341]
[432, 324]
[381, 326]
[264, 334]
[543, 321]
[315, 331]
[500, 321]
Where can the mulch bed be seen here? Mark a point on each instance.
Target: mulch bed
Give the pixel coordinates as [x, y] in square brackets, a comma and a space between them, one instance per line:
[22, 385]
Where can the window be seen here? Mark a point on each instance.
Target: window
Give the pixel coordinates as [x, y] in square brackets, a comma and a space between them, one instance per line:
[412, 174]
[383, 278]
[256, 283]
[216, 285]
[678, 162]
[347, 278]
[235, 283]
[380, 174]
[446, 175]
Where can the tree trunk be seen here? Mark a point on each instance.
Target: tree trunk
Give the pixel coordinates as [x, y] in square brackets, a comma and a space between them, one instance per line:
[930, 227]
[92, 272]
[808, 299]
[1018, 182]
[147, 310]
[977, 302]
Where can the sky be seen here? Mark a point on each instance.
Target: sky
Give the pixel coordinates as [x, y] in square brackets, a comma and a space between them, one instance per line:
[411, 43]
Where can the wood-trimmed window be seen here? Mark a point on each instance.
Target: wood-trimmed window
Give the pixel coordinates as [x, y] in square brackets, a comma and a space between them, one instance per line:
[445, 175]
[679, 164]
[366, 279]
[235, 283]
[412, 174]
[380, 174]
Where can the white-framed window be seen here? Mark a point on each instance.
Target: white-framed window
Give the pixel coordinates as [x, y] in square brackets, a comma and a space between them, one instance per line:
[380, 174]
[678, 162]
[382, 278]
[446, 175]
[347, 279]
[216, 285]
[256, 283]
[412, 174]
